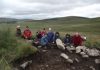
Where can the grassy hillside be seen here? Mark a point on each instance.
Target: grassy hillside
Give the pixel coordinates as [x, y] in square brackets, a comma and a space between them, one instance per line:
[86, 26]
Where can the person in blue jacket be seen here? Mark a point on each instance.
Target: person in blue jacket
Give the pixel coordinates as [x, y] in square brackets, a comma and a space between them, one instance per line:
[67, 40]
[44, 41]
[50, 36]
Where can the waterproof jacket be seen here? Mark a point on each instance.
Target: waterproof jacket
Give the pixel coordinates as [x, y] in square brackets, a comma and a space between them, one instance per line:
[50, 36]
[27, 33]
[44, 40]
[77, 40]
[67, 40]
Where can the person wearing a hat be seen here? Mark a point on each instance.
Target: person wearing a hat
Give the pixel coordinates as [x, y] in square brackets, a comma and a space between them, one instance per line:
[18, 31]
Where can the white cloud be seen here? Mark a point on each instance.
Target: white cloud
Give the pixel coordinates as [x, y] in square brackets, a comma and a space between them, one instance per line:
[41, 9]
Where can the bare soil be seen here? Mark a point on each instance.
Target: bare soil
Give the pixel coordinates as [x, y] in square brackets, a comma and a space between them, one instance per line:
[49, 59]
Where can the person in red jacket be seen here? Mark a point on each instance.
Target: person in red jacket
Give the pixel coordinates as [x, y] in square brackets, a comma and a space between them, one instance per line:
[27, 34]
[77, 40]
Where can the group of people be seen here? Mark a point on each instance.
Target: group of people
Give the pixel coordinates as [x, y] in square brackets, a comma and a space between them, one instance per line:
[26, 34]
[46, 37]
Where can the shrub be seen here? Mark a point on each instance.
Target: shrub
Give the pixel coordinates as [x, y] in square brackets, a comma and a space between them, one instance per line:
[96, 44]
[25, 49]
[92, 44]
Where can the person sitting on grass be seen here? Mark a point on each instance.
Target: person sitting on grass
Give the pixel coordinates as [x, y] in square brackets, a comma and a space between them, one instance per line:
[67, 40]
[43, 32]
[68, 43]
[36, 41]
[50, 36]
[77, 40]
[56, 36]
[18, 31]
[38, 35]
[27, 34]
[44, 41]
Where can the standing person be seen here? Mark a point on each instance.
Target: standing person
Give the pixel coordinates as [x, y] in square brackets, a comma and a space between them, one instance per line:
[27, 34]
[77, 40]
[18, 31]
[50, 36]
[43, 32]
[67, 40]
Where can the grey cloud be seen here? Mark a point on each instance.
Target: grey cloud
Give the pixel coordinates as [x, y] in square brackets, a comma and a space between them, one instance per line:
[40, 9]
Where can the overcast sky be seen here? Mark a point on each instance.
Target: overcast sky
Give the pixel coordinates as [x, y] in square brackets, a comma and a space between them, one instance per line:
[42, 9]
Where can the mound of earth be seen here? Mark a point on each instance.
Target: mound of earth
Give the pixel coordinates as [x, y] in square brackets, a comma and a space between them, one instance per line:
[50, 59]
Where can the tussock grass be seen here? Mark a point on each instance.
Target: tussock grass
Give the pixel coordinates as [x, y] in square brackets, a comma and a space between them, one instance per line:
[11, 49]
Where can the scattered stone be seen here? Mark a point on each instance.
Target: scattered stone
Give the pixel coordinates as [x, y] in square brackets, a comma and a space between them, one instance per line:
[82, 53]
[44, 50]
[69, 49]
[39, 46]
[91, 67]
[15, 69]
[85, 56]
[77, 60]
[80, 48]
[47, 65]
[24, 65]
[68, 69]
[97, 61]
[60, 44]
[93, 52]
[73, 68]
[69, 60]
[64, 56]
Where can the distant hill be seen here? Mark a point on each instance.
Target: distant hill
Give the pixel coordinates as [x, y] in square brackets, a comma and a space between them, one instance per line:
[59, 20]
[8, 20]
[13, 20]
[68, 18]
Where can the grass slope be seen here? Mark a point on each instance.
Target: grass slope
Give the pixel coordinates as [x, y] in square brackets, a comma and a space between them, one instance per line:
[86, 26]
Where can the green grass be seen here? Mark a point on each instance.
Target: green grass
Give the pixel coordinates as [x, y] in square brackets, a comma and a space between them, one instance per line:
[88, 27]
[11, 49]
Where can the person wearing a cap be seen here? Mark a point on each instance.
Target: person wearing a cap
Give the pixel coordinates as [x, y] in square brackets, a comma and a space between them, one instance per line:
[18, 31]
[27, 34]
[50, 36]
